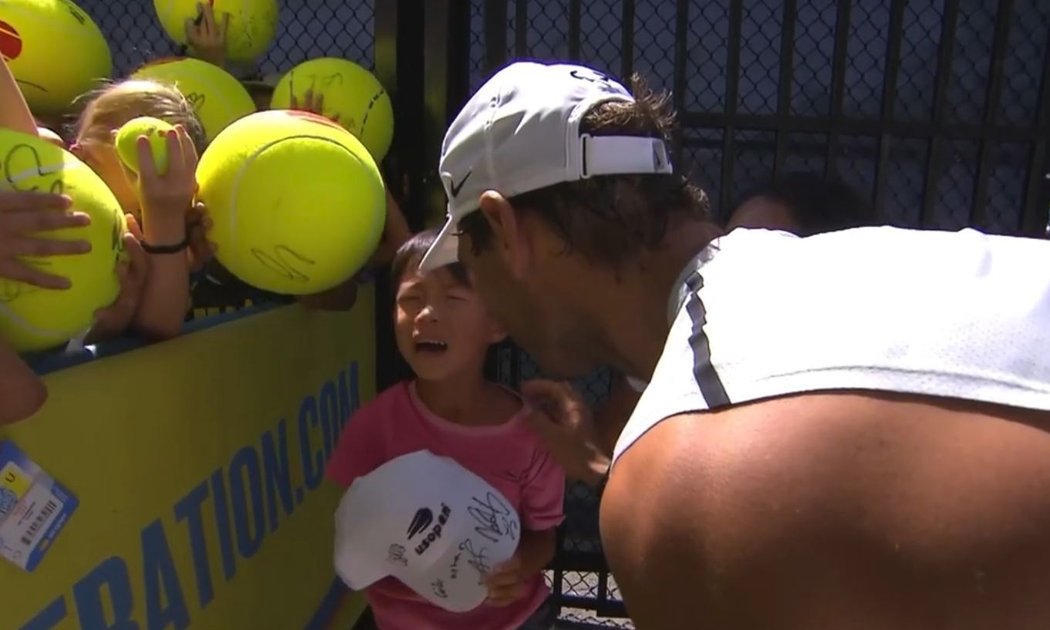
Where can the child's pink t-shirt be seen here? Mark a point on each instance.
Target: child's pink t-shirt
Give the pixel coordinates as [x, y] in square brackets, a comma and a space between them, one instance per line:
[509, 456]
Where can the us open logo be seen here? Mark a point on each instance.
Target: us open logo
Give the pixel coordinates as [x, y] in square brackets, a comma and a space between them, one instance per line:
[435, 531]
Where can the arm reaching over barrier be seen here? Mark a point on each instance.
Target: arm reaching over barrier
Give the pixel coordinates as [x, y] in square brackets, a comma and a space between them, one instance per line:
[22, 216]
[166, 201]
[22, 392]
[206, 36]
[14, 111]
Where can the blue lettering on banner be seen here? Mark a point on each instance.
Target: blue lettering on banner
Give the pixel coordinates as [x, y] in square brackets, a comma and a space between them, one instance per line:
[49, 617]
[188, 509]
[111, 573]
[329, 405]
[222, 524]
[161, 581]
[249, 533]
[313, 460]
[278, 474]
[248, 499]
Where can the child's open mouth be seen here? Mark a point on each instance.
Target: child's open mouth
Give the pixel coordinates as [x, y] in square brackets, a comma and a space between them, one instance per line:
[428, 346]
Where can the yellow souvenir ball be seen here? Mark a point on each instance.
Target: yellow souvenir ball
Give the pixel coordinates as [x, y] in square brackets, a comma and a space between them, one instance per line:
[32, 318]
[55, 51]
[155, 130]
[296, 202]
[350, 92]
[253, 23]
[217, 97]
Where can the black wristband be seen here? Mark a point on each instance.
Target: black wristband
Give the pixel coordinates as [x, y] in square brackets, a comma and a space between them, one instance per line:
[166, 249]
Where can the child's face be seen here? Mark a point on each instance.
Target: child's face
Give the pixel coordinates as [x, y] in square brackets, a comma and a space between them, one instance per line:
[103, 159]
[442, 329]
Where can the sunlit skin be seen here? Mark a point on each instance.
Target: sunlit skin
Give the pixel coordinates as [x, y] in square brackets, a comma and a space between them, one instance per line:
[817, 510]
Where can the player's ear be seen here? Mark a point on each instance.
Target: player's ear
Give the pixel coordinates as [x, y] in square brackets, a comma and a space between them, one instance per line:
[496, 332]
[509, 239]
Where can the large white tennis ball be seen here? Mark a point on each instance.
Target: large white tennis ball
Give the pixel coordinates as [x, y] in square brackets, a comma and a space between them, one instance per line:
[297, 204]
[55, 51]
[253, 23]
[351, 93]
[32, 318]
[217, 97]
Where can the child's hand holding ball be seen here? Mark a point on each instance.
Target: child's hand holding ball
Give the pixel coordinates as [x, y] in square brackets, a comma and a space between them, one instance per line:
[165, 162]
[149, 132]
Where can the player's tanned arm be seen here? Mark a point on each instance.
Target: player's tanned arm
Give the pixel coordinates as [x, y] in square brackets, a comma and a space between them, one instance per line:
[835, 511]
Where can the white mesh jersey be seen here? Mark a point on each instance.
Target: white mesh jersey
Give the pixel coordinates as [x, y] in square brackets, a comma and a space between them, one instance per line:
[762, 313]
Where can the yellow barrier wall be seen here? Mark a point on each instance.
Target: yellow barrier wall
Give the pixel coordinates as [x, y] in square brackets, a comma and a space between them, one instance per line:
[198, 464]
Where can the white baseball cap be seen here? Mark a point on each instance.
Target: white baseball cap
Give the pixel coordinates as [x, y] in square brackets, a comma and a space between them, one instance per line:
[521, 132]
[428, 522]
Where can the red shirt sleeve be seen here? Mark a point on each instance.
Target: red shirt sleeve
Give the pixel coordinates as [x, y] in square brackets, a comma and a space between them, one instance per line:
[543, 497]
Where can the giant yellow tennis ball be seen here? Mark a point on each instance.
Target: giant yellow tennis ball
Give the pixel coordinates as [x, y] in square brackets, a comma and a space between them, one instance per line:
[296, 202]
[32, 318]
[217, 97]
[350, 92]
[155, 131]
[253, 23]
[55, 51]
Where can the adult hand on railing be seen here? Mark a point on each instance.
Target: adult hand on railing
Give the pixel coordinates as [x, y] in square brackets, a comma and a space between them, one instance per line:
[25, 218]
[113, 320]
[565, 423]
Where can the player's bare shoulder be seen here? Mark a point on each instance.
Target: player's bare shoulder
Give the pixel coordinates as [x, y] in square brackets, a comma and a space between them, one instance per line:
[836, 510]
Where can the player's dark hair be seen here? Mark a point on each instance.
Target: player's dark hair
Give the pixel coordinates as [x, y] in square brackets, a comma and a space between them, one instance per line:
[413, 250]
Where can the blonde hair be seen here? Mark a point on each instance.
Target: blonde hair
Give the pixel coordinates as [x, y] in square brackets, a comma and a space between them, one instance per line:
[108, 108]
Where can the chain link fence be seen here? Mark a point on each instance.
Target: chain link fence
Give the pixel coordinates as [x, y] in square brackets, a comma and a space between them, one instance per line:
[936, 109]
[307, 29]
[932, 107]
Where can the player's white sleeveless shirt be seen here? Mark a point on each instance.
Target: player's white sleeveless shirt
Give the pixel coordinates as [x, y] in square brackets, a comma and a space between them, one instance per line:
[762, 313]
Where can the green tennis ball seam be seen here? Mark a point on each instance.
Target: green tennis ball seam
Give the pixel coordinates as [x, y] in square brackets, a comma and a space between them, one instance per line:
[17, 321]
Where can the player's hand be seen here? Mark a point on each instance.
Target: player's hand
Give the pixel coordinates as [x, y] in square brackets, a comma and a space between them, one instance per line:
[22, 216]
[198, 223]
[116, 318]
[313, 103]
[206, 35]
[505, 583]
[561, 417]
[166, 199]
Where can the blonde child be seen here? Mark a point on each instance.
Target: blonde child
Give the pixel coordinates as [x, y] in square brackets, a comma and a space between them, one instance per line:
[25, 219]
[162, 205]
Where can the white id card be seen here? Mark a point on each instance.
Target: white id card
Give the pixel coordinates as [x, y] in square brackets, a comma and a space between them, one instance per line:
[33, 508]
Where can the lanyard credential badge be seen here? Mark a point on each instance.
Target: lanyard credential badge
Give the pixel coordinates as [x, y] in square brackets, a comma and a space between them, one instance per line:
[33, 508]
